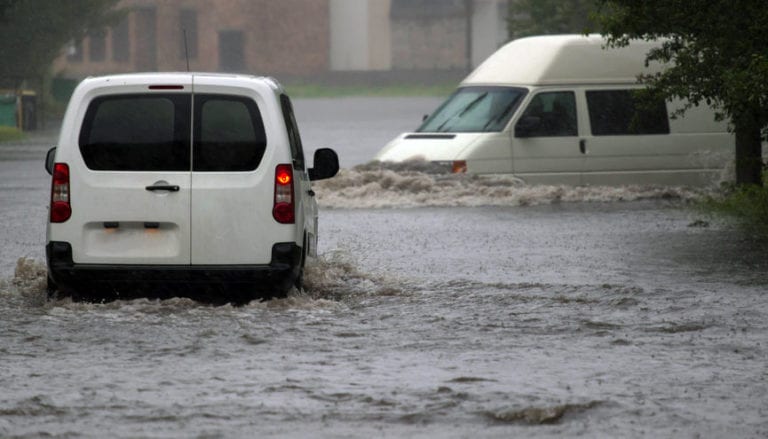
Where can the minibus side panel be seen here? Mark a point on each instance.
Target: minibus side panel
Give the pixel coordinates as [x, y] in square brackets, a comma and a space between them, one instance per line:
[695, 157]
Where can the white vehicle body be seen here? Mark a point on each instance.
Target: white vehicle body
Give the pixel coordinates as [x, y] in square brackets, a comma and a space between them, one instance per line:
[561, 110]
[173, 177]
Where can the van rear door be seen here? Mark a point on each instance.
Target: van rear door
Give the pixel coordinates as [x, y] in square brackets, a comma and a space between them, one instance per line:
[131, 192]
[233, 191]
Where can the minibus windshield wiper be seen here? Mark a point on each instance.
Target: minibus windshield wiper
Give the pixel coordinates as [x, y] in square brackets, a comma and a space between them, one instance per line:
[464, 111]
[503, 113]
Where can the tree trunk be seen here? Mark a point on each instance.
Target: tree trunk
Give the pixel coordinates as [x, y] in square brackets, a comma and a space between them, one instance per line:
[749, 149]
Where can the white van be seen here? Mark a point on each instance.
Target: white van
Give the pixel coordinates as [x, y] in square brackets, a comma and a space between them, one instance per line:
[561, 110]
[188, 180]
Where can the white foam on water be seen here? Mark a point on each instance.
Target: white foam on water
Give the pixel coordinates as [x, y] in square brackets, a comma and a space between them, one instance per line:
[329, 281]
[417, 184]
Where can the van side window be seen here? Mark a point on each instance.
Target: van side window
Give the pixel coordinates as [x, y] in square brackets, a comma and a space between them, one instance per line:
[137, 133]
[229, 134]
[551, 114]
[618, 112]
[294, 138]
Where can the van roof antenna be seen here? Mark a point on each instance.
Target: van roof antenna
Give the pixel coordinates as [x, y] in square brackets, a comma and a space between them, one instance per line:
[186, 50]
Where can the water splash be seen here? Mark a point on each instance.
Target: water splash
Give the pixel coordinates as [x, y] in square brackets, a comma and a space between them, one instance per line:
[419, 183]
[539, 415]
[329, 281]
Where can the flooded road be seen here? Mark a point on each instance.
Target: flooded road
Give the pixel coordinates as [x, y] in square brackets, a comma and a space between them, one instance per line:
[438, 308]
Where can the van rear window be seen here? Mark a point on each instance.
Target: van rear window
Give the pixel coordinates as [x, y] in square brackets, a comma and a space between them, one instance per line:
[151, 132]
[229, 134]
[137, 133]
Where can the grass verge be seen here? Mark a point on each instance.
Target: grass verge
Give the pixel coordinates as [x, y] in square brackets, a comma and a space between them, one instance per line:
[747, 206]
[8, 134]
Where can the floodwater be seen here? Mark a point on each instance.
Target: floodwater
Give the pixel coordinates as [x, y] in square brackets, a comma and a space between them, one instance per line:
[439, 307]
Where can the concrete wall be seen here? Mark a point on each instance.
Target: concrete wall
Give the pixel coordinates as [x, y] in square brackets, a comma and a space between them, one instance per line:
[489, 28]
[359, 35]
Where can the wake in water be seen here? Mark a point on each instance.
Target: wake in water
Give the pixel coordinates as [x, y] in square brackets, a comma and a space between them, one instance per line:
[329, 281]
[420, 183]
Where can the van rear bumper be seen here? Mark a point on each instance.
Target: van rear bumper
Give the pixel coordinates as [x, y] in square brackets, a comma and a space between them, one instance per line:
[215, 282]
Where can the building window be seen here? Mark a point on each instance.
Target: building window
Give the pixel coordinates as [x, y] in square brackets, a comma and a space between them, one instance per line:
[97, 46]
[231, 51]
[120, 42]
[188, 33]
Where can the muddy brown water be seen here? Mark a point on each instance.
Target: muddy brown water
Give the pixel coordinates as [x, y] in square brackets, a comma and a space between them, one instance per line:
[514, 312]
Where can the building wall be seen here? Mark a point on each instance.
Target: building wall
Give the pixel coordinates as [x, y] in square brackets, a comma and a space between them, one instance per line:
[299, 38]
[432, 34]
[428, 34]
[289, 36]
[419, 43]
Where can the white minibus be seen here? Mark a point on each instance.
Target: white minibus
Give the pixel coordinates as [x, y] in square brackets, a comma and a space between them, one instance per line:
[562, 110]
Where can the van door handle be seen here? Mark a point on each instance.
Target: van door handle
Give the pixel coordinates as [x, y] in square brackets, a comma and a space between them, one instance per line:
[583, 146]
[163, 187]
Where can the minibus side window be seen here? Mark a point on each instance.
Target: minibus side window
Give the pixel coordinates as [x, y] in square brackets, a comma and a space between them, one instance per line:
[549, 114]
[229, 134]
[621, 113]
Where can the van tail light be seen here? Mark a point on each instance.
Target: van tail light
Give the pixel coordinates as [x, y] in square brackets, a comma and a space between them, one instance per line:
[459, 167]
[284, 209]
[61, 209]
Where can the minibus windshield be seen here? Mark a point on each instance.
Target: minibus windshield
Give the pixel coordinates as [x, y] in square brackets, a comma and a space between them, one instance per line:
[475, 109]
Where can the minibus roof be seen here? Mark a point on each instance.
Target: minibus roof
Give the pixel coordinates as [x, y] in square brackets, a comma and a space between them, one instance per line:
[563, 59]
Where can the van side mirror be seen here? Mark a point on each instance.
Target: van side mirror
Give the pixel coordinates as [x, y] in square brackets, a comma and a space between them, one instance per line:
[527, 125]
[326, 164]
[49, 160]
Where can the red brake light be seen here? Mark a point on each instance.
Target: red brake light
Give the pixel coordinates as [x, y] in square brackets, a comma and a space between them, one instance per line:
[284, 209]
[283, 177]
[61, 209]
